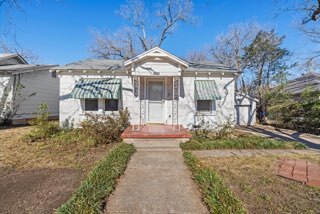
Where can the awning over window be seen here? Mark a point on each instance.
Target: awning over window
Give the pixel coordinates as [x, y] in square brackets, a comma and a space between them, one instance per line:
[206, 90]
[97, 88]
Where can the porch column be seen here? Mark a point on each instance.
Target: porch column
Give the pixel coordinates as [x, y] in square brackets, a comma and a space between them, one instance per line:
[175, 101]
[136, 104]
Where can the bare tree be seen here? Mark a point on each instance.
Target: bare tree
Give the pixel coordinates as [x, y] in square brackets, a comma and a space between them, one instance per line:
[308, 10]
[144, 28]
[228, 48]
[8, 32]
[27, 54]
[198, 56]
[308, 14]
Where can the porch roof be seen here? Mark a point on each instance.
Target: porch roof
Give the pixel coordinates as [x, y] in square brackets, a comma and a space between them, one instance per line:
[206, 90]
[97, 88]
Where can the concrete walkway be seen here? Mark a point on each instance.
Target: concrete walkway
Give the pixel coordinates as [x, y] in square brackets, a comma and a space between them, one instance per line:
[247, 152]
[156, 181]
[312, 141]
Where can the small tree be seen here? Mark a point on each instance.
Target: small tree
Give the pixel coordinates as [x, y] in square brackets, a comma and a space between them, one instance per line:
[267, 61]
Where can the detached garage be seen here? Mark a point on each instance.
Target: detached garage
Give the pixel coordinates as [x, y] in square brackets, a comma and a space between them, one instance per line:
[245, 109]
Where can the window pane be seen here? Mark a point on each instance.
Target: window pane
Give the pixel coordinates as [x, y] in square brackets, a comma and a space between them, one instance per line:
[91, 105]
[204, 105]
[111, 105]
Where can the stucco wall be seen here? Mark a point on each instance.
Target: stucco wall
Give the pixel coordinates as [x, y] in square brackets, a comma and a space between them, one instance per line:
[223, 110]
[245, 110]
[73, 108]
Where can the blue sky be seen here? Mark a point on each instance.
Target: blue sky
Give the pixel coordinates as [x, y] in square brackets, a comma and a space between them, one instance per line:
[59, 31]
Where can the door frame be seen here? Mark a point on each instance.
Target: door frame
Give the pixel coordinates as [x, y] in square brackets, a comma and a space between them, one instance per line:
[146, 95]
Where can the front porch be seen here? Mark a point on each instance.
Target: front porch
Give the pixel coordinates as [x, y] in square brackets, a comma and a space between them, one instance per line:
[156, 131]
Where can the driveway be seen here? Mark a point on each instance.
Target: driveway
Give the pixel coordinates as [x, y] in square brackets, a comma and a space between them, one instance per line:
[312, 141]
[156, 181]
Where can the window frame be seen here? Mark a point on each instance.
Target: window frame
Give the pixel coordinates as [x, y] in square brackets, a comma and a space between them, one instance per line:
[90, 99]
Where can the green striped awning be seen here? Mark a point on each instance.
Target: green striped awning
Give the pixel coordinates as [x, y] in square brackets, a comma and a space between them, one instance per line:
[206, 90]
[97, 88]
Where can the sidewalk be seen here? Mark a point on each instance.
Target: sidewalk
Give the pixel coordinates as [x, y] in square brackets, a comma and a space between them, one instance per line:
[156, 181]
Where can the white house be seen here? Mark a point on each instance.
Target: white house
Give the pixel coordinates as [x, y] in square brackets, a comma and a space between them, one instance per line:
[23, 87]
[155, 86]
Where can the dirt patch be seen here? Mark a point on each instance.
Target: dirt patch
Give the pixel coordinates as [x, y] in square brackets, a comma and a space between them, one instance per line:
[36, 191]
[38, 177]
[255, 182]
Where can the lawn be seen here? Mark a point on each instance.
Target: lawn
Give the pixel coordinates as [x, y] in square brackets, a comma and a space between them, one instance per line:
[238, 141]
[254, 182]
[38, 177]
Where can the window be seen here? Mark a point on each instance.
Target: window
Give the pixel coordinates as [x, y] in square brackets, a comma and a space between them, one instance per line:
[204, 105]
[91, 104]
[111, 105]
[54, 74]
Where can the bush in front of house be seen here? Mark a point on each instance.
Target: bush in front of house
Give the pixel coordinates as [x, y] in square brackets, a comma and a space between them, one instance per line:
[216, 194]
[245, 141]
[44, 129]
[95, 129]
[100, 183]
[105, 128]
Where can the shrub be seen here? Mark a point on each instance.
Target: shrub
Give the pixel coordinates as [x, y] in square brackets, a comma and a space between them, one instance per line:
[105, 129]
[44, 128]
[100, 183]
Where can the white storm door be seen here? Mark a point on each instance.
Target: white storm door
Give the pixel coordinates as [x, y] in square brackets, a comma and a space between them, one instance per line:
[155, 92]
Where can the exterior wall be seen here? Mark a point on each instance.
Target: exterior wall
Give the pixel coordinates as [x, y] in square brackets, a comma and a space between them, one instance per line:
[245, 111]
[223, 110]
[43, 88]
[73, 109]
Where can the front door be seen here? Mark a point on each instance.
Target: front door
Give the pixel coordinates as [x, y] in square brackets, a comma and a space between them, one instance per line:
[155, 92]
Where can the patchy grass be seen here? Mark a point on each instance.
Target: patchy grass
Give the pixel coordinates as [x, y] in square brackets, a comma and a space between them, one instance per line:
[216, 195]
[240, 142]
[60, 153]
[254, 181]
[100, 182]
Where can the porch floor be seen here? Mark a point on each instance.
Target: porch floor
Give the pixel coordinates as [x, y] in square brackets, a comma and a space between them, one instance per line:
[156, 131]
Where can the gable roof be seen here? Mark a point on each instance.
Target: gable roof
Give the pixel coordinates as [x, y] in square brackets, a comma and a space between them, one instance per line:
[298, 85]
[11, 59]
[156, 52]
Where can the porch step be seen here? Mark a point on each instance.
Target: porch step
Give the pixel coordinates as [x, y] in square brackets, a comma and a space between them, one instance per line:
[156, 132]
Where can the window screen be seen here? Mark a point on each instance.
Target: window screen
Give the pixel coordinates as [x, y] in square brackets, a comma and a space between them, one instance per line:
[204, 105]
[91, 105]
[111, 105]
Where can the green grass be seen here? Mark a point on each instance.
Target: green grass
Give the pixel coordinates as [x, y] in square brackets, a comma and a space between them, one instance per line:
[241, 142]
[216, 195]
[100, 183]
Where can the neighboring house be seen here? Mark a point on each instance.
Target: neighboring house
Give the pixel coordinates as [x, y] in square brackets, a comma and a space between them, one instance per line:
[298, 85]
[23, 87]
[245, 109]
[155, 86]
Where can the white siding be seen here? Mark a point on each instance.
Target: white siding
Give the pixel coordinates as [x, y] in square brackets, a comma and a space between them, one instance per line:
[45, 89]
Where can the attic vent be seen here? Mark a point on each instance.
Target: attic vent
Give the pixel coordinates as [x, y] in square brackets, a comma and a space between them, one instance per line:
[157, 59]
